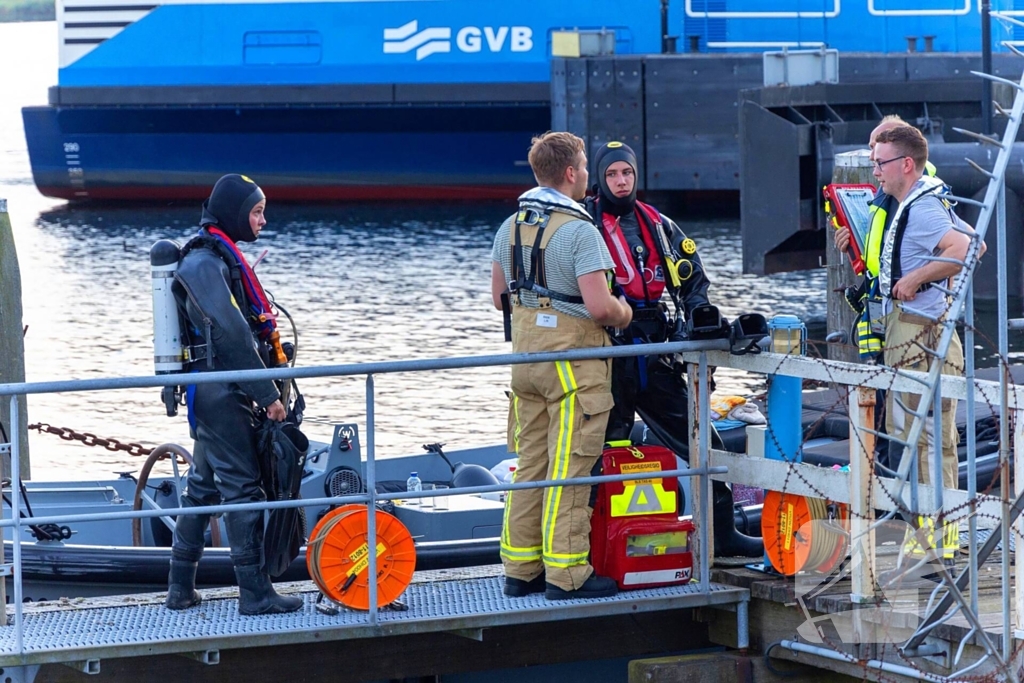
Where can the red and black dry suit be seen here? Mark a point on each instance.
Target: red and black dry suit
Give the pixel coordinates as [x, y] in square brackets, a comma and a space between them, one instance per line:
[654, 386]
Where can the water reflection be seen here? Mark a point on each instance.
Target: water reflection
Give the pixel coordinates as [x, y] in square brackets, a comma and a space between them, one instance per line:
[363, 282]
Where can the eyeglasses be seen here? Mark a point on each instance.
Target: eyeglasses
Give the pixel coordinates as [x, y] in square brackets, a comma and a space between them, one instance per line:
[880, 164]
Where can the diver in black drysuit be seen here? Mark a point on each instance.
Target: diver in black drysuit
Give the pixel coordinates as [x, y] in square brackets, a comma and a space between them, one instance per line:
[222, 417]
[654, 386]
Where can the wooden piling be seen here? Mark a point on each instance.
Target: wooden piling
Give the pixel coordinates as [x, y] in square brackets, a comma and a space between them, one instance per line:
[12, 336]
[850, 167]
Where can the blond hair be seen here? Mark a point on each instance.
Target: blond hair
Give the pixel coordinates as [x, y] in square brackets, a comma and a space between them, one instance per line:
[552, 153]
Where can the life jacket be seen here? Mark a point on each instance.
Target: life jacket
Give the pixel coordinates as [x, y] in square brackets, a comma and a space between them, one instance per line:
[870, 323]
[534, 228]
[893, 245]
[878, 212]
[639, 270]
[244, 286]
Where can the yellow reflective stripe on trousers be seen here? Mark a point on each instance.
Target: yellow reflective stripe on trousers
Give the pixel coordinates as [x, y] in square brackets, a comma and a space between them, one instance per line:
[560, 466]
[520, 554]
[519, 425]
[565, 561]
[950, 538]
[508, 551]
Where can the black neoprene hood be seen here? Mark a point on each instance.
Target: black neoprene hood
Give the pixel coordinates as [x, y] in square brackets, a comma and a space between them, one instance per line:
[229, 205]
[607, 155]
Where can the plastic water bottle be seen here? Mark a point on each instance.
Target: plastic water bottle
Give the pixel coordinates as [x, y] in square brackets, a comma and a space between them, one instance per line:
[414, 483]
[501, 469]
[508, 478]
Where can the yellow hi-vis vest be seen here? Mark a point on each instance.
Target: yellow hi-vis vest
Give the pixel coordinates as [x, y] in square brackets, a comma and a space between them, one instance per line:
[879, 216]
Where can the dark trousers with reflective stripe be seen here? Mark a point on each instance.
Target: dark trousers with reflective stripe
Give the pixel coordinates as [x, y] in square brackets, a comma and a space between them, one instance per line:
[557, 418]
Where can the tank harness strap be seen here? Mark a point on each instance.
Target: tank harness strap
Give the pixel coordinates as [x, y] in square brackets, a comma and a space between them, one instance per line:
[198, 352]
[539, 229]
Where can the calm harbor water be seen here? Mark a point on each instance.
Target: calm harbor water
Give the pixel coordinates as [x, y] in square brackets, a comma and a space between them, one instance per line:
[363, 282]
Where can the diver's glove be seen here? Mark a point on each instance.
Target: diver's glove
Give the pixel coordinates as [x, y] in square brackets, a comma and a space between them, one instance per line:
[289, 350]
[854, 296]
[677, 330]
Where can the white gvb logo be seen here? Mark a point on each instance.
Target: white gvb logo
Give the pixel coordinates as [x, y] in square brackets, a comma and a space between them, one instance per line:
[468, 39]
[426, 42]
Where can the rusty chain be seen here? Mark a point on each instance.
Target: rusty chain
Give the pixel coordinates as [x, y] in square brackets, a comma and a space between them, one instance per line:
[88, 439]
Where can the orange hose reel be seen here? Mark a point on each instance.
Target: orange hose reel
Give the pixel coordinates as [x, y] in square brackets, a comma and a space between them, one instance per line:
[798, 536]
[338, 559]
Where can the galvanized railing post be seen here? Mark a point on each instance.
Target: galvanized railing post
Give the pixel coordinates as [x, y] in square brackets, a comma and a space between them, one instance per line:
[371, 504]
[1018, 479]
[704, 481]
[16, 529]
[972, 448]
[1004, 413]
[14, 453]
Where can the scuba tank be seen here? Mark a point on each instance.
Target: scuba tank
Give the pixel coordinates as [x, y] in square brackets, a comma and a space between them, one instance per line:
[168, 343]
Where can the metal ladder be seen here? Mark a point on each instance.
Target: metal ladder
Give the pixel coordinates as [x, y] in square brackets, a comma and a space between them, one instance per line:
[961, 293]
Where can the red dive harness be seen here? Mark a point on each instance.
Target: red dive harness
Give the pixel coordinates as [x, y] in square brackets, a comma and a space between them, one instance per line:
[639, 270]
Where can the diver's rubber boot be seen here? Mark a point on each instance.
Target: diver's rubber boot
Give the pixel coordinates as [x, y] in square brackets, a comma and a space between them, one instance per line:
[256, 594]
[728, 541]
[181, 586]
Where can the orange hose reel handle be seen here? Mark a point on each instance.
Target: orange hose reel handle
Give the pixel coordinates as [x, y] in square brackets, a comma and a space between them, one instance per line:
[337, 557]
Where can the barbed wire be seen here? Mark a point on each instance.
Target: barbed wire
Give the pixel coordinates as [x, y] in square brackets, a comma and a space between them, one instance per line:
[948, 515]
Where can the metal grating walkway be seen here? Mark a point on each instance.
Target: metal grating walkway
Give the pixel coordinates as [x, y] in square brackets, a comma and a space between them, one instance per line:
[92, 630]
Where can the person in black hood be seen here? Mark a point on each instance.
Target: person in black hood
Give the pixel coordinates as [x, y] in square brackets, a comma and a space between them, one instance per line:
[231, 320]
[653, 258]
[230, 206]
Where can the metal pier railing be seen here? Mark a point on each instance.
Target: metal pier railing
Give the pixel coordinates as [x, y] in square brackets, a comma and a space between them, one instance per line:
[83, 637]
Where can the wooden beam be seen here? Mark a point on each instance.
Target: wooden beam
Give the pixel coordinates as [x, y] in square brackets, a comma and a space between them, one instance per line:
[852, 374]
[822, 482]
[862, 512]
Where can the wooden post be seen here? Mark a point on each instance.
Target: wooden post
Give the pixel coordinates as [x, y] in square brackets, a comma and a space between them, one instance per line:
[12, 336]
[862, 513]
[850, 167]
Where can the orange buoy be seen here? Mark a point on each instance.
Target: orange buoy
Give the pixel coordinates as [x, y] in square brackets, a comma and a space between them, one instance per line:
[800, 534]
[337, 557]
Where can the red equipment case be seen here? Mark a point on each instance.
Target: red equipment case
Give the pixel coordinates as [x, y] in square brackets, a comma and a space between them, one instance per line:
[847, 205]
[636, 536]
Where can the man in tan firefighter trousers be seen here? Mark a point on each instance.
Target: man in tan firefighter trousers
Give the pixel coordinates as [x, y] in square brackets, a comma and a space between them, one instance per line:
[551, 266]
[914, 283]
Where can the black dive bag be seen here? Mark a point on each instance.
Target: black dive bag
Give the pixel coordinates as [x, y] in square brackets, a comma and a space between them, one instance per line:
[282, 452]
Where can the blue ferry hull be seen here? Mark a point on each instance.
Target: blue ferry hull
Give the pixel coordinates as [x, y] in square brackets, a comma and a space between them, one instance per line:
[297, 153]
[359, 99]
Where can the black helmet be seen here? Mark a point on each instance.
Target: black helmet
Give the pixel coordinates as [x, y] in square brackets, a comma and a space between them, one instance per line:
[472, 475]
[229, 205]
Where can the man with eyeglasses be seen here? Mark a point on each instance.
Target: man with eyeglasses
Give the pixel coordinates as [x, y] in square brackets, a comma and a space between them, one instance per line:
[913, 284]
[865, 298]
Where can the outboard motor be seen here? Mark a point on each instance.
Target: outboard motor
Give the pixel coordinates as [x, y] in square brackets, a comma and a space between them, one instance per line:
[168, 345]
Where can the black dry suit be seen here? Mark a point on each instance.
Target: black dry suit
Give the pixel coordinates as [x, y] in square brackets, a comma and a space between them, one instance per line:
[655, 386]
[222, 417]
